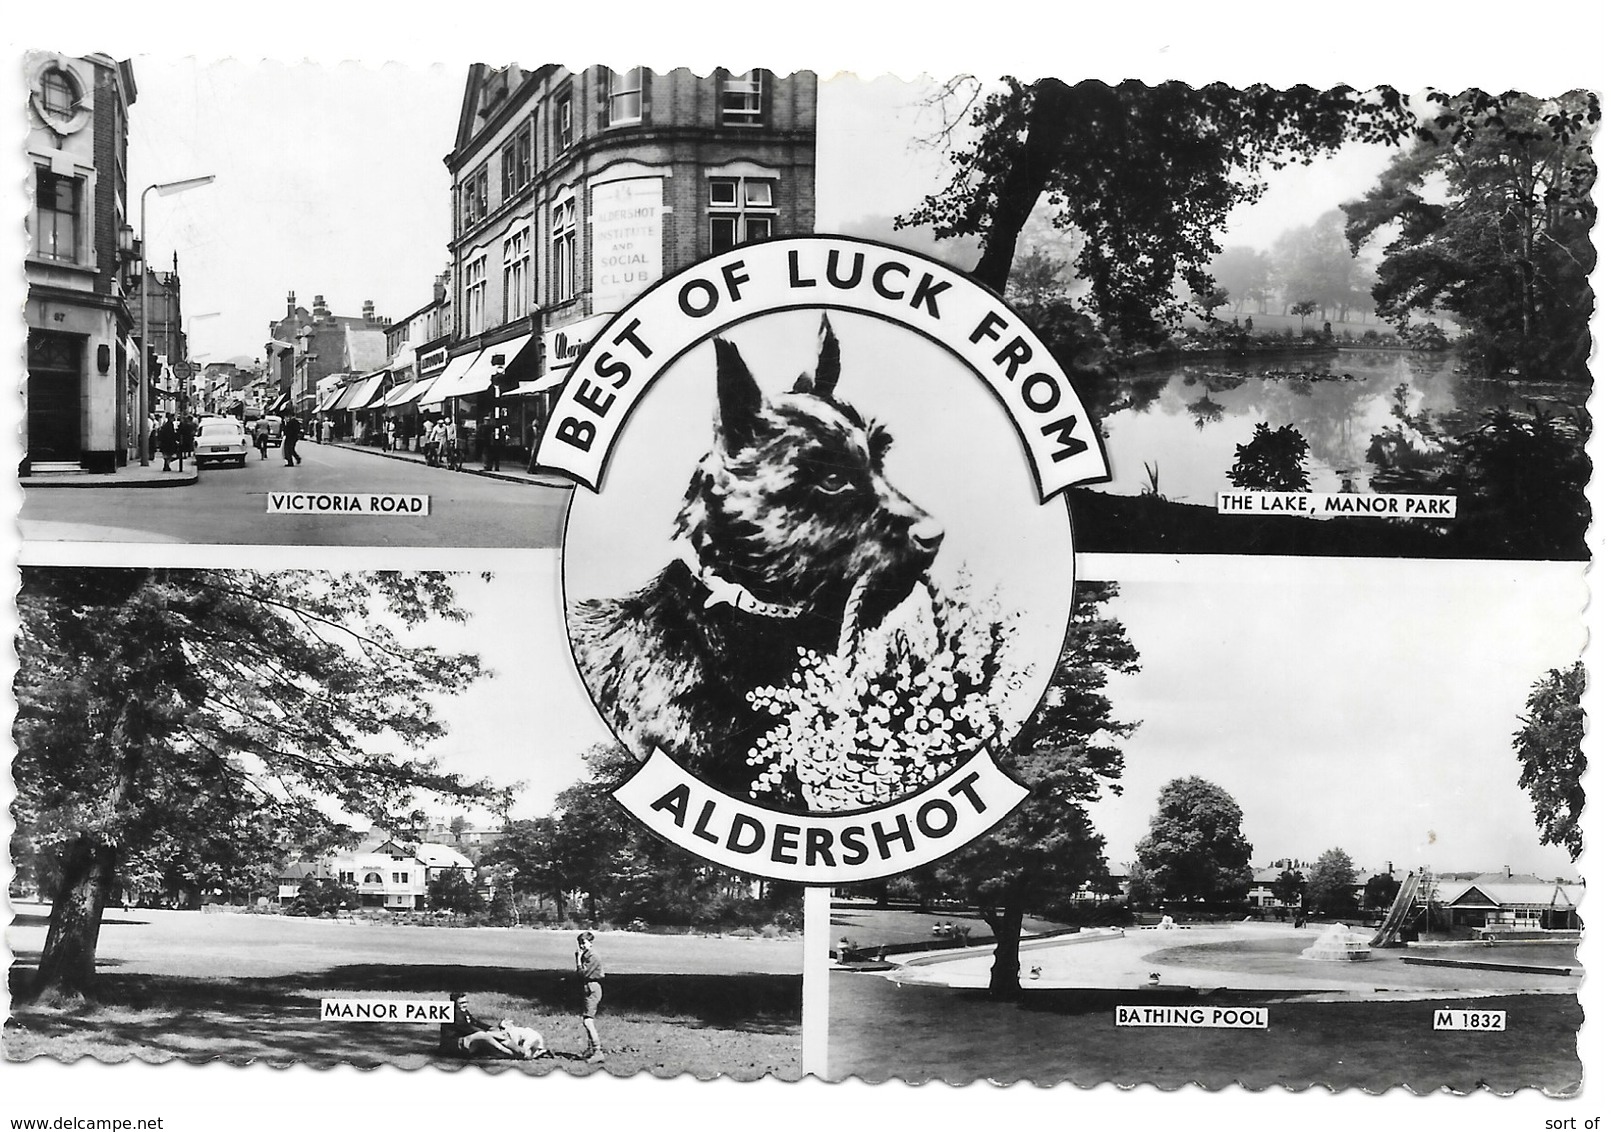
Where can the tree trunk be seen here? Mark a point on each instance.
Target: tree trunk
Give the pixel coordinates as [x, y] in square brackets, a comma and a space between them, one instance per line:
[1008, 925]
[67, 964]
[1023, 184]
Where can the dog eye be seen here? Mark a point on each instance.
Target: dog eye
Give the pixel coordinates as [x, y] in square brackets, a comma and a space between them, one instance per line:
[833, 483]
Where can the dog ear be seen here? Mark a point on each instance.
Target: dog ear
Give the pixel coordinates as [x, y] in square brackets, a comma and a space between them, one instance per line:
[738, 398]
[827, 360]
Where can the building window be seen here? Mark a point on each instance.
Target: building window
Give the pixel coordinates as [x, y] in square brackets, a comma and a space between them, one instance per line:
[58, 94]
[741, 211]
[475, 197]
[741, 99]
[516, 162]
[475, 295]
[564, 122]
[516, 274]
[56, 216]
[564, 249]
[348, 878]
[626, 97]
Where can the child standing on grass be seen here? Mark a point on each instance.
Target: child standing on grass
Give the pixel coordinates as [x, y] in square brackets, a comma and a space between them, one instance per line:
[590, 970]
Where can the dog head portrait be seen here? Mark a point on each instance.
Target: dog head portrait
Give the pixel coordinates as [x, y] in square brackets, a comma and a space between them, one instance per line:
[792, 501]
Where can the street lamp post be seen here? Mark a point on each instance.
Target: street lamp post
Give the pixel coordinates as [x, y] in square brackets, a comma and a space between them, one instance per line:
[166, 188]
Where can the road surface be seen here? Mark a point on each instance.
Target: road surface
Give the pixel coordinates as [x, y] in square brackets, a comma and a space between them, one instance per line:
[229, 505]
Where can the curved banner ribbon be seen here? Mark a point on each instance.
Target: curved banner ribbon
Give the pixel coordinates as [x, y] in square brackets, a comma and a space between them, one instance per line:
[824, 272]
[824, 848]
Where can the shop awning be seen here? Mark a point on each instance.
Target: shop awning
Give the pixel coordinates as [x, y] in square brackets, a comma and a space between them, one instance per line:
[417, 393]
[399, 395]
[328, 401]
[345, 398]
[448, 379]
[478, 378]
[541, 385]
[279, 405]
[368, 390]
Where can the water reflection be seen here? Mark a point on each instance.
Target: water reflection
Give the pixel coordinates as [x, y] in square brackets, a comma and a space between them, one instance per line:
[1186, 421]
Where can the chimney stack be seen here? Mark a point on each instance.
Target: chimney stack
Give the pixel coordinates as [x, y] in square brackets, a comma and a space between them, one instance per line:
[369, 310]
[319, 309]
[290, 303]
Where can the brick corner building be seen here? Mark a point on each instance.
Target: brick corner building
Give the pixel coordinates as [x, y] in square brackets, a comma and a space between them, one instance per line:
[574, 191]
[82, 362]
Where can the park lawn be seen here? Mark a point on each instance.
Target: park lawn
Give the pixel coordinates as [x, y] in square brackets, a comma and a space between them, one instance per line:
[880, 1030]
[745, 1026]
[177, 985]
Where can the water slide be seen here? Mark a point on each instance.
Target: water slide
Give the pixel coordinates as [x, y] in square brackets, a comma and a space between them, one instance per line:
[1399, 912]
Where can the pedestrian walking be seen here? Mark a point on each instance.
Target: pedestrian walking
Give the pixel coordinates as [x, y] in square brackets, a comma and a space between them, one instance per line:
[187, 437]
[534, 434]
[487, 438]
[292, 434]
[433, 443]
[391, 435]
[168, 441]
[260, 438]
[590, 971]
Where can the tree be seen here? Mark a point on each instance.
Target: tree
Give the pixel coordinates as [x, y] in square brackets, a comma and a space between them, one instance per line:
[1550, 747]
[527, 853]
[1317, 263]
[1195, 850]
[1303, 310]
[1273, 460]
[1210, 299]
[1138, 888]
[1065, 753]
[1288, 887]
[1331, 883]
[1145, 175]
[156, 708]
[1381, 890]
[1493, 215]
[316, 896]
[1244, 272]
[630, 874]
[454, 890]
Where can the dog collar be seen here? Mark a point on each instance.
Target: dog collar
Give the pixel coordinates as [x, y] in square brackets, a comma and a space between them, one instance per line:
[724, 592]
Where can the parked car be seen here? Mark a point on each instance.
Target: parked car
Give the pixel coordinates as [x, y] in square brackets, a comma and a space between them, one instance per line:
[221, 438]
[275, 427]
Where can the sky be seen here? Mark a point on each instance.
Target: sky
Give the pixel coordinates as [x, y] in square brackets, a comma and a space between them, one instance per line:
[1354, 705]
[330, 181]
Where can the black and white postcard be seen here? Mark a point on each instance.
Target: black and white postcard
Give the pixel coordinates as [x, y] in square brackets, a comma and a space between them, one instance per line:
[579, 579]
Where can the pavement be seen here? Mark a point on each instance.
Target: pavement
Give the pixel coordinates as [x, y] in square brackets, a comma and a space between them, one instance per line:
[511, 472]
[153, 476]
[131, 476]
[1127, 960]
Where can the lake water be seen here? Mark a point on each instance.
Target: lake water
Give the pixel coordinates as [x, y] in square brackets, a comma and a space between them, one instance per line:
[1187, 419]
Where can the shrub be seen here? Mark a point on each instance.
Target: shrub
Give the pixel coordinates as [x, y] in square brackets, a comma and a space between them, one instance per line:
[1425, 336]
[1272, 460]
[894, 711]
